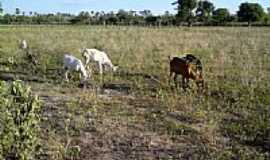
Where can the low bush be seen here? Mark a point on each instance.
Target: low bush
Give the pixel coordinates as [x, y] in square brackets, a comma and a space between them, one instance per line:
[19, 121]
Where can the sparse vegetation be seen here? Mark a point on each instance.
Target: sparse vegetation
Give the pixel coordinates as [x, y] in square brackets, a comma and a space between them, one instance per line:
[19, 120]
[135, 113]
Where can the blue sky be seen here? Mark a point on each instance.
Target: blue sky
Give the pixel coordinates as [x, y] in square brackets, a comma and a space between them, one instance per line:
[75, 6]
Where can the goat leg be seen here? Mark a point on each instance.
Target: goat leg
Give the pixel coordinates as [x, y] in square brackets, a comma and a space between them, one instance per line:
[66, 75]
[184, 83]
[175, 80]
[187, 83]
[170, 77]
[80, 76]
[100, 68]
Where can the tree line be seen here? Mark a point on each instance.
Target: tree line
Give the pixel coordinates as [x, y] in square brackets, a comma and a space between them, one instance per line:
[189, 12]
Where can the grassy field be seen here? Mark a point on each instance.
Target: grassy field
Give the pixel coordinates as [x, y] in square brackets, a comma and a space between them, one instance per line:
[135, 113]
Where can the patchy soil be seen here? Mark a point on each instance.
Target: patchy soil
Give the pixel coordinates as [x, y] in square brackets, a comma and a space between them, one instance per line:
[115, 121]
[110, 122]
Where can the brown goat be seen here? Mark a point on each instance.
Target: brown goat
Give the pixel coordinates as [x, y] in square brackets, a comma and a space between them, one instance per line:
[189, 67]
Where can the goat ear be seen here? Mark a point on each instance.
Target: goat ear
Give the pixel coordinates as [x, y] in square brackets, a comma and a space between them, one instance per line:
[81, 50]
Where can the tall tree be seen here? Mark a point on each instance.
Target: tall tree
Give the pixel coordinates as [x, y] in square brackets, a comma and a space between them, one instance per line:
[250, 12]
[1, 9]
[122, 15]
[205, 10]
[167, 18]
[17, 11]
[185, 10]
[84, 17]
[221, 15]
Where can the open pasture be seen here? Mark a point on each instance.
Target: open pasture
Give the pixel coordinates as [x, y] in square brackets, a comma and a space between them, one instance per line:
[134, 113]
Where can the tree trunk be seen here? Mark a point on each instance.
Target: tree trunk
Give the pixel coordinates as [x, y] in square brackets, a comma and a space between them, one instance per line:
[189, 18]
[189, 23]
[249, 23]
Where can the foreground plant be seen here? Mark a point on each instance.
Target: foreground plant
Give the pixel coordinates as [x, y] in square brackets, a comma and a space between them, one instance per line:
[19, 121]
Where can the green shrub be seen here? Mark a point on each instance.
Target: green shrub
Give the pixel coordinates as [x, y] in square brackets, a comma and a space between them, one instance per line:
[19, 121]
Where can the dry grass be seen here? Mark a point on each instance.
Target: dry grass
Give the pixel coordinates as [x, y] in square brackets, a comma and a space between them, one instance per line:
[150, 120]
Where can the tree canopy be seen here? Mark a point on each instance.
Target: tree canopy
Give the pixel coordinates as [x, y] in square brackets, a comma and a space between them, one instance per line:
[204, 10]
[221, 15]
[185, 10]
[250, 12]
[1, 9]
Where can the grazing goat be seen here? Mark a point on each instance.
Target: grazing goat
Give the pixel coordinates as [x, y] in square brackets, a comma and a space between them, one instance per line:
[23, 45]
[72, 63]
[99, 57]
[32, 58]
[189, 67]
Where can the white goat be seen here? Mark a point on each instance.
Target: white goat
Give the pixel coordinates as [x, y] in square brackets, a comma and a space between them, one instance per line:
[97, 56]
[72, 63]
[23, 45]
